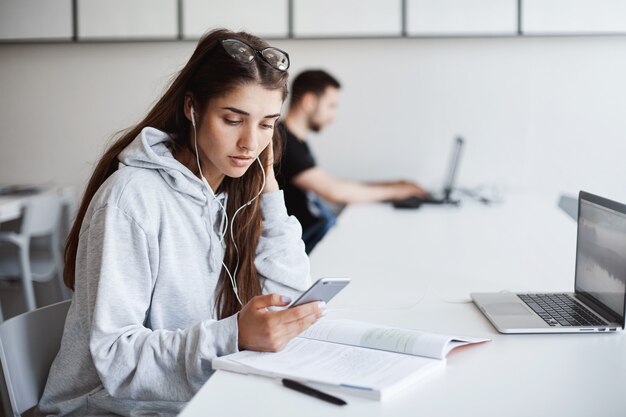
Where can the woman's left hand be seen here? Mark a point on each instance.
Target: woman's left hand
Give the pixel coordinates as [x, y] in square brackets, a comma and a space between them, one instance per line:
[270, 179]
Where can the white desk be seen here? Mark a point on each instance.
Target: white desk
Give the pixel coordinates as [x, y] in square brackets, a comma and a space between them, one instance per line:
[416, 269]
[11, 205]
[10, 208]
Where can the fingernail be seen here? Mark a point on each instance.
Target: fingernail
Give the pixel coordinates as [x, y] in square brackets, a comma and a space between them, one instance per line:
[322, 305]
[285, 299]
[324, 312]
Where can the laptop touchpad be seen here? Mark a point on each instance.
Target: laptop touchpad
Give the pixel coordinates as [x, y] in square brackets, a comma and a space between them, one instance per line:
[507, 309]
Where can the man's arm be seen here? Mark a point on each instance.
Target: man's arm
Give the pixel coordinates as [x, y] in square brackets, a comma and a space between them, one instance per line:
[345, 191]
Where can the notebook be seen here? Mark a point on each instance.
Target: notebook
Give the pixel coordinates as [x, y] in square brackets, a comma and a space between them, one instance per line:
[598, 301]
[352, 357]
[443, 197]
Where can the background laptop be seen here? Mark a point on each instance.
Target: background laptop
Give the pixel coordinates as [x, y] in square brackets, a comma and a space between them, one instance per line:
[444, 197]
[597, 305]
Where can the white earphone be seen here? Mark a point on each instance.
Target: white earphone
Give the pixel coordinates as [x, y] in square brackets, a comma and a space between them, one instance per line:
[232, 277]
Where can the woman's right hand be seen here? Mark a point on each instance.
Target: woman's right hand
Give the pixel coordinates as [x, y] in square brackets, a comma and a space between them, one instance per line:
[270, 331]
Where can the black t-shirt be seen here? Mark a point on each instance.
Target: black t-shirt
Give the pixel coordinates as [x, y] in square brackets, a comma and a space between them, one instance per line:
[296, 158]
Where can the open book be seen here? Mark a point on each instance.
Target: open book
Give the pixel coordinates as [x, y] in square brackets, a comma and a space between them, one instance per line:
[355, 357]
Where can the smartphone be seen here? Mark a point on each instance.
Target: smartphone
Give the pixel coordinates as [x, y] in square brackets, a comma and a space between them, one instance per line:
[324, 289]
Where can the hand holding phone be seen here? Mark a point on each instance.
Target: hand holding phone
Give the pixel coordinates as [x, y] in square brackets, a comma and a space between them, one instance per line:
[265, 330]
[324, 289]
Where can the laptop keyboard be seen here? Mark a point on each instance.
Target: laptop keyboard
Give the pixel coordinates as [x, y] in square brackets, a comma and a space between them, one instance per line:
[560, 309]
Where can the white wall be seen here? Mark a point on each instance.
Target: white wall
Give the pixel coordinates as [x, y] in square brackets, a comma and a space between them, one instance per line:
[542, 113]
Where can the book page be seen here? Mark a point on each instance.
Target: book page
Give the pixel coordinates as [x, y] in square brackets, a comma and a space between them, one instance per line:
[412, 342]
[333, 364]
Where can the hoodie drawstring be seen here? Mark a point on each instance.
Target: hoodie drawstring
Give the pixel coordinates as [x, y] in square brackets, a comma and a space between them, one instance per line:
[216, 245]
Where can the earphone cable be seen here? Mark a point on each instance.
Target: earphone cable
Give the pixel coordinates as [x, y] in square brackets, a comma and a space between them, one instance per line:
[233, 283]
[232, 221]
[232, 277]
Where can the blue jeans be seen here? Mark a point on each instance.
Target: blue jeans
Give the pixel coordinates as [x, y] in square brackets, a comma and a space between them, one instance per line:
[314, 233]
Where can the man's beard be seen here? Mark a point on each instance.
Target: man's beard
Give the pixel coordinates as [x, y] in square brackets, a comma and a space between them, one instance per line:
[314, 126]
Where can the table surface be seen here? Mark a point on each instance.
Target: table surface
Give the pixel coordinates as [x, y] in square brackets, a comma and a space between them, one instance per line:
[11, 205]
[10, 208]
[415, 269]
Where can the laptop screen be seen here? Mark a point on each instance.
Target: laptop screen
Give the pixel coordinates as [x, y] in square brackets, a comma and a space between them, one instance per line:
[453, 167]
[601, 251]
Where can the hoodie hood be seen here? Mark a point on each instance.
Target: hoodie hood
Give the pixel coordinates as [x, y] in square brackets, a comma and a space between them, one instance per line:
[150, 150]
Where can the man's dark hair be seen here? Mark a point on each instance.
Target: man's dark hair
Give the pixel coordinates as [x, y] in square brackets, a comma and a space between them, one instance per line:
[311, 81]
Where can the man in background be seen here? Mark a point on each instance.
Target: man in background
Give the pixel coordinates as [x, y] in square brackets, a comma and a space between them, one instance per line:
[314, 96]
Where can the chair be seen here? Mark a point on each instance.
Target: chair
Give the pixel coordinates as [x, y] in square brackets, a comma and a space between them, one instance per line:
[28, 345]
[32, 253]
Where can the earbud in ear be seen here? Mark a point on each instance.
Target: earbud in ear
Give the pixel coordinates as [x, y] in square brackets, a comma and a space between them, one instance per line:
[193, 116]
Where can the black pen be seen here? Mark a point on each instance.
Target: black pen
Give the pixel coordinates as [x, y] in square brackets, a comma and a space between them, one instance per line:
[295, 385]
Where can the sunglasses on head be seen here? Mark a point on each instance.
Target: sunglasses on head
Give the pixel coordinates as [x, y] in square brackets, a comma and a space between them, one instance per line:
[244, 53]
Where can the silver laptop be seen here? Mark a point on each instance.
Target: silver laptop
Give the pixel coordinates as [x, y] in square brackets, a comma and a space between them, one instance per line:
[597, 305]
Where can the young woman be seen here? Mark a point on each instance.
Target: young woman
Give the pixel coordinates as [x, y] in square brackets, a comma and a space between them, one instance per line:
[181, 229]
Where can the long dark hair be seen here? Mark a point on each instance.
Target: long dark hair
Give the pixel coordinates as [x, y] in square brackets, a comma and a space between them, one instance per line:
[209, 73]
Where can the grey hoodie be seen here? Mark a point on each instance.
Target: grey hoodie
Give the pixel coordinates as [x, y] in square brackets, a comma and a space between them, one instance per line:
[141, 330]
